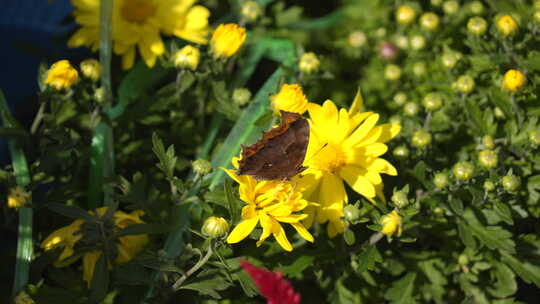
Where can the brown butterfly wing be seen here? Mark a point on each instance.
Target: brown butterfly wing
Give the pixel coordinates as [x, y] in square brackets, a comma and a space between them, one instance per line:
[280, 153]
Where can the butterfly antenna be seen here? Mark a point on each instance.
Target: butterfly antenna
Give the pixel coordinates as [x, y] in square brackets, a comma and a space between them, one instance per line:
[315, 154]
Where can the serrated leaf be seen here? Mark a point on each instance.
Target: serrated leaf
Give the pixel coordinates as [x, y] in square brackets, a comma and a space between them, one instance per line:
[401, 291]
[295, 269]
[70, 211]
[503, 211]
[505, 282]
[494, 237]
[367, 259]
[529, 272]
[208, 286]
[167, 159]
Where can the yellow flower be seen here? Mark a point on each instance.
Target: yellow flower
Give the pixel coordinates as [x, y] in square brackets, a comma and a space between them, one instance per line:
[405, 14]
[290, 98]
[309, 63]
[91, 68]
[513, 80]
[269, 203]
[343, 146]
[507, 25]
[391, 223]
[67, 238]
[187, 57]
[138, 24]
[17, 197]
[61, 75]
[227, 40]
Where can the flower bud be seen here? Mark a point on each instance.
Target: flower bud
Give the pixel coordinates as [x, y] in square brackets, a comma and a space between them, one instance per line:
[536, 16]
[17, 197]
[201, 166]
[510, 183]
[388, 51]
[463, 260]
[438, 211]
[401, 41]
[432, 101]
[488, 158]
[488, 142]
[421, 139]
[391, 223]
[227, 39]
[513, 80]
[90, 68]
[534, 137]
[476, 7]
[187, 57]
[241, 96]
[463, 170]
[419, 69]
[392, 72]
[411, 108]
[290, 98]
[357, 39]
[429, 21]
[489, 186]
[251, 10]
[351, 213]
[399, 198]
[440, 180]
[99, 95]
[380, 32]
[396, 119]
[405, 14]
[436, 2]
[417, 42]
[507, 25]
[464, 84]
[477, 26]
[401, 152]
[215, 227]
[309, 63]
[400, 98]
[61, 75]
[450, 58]
[498, 113]
[450, 7]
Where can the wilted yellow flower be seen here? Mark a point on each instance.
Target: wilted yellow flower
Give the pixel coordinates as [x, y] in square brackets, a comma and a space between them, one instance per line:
[215, 227]
[67, 237]
[138, 24]
[309, 63]
[227, 40]
[270, 203]
[61, 75]
[187, 57]
[343, 146]
[513, 80]
[391, 223]
[290, 98]
[17, 197]
[507, 25]
[405, 14]
[91, 68]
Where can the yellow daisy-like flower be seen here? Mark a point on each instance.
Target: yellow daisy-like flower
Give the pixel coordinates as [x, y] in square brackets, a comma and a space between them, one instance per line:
[138, 24]
[343, 146]
[391, 223]
[269, 203]
[227, 39]
[290, 98]
[68, 237]
[61, 75]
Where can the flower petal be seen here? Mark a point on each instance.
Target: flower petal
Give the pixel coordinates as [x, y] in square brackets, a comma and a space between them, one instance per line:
[304, 233]
[242, 230]
[360, 133]
[355, 178]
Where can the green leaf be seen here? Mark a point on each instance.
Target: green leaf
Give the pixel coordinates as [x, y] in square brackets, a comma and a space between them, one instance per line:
[349, 237]
[456, 205]
[367, 259]
[401, 291]
[529, 272]
[295, 269]
[503, 211]
[342, 295]
[419, 172]
[319, 23]
[494, 237]
[208, 285]
[475, 117]
[231, 201]
[100, 281]
[505, 281]
[70, 211]
[501, 100]
[167, 159]
[144, 229]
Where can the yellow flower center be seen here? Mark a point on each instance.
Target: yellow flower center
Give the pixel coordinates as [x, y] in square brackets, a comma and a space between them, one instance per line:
[274, 195]
[138, 10]
[330, 158]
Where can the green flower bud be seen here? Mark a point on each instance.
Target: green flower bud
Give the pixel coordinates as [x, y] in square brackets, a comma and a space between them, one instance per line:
[400, 199]
[380, 32]
[438, 211]
[436, 2]
[429, 21]
[463, 170]
[499, 113]
[421, 139]
[419, 69]
[450, 58]
[309, 63]
[215, 227]
[463, 260]
[489, 186]
[401, 41]
[488, 142]
[477, 26]
[440, 180]
[417, 42]
[536, 16]
[511, 183]
[392, 72]
[201, 166]
[476, 7]
[488, 158]
[99, 95]
[411, 108]
[357, 39]
[432, 101]
[534, 137]
[241, 96]
[395, 119]
[401, 152]
[450, 7]
[464, 84]
[400, 98]
[251, 10]
[351, 213]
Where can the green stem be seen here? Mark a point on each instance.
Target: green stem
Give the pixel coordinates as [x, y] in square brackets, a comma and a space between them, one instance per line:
[196, 267]
[22, 177]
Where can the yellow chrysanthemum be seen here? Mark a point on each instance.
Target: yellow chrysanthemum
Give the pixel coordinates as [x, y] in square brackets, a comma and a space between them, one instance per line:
[269, 203]
[67, 238]
[343, 146]
[227, 39]
[290, 98]
[391, 223]
[138, 24]
[61, 75]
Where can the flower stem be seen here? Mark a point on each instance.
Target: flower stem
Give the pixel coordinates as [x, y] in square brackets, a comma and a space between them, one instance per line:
[196, 267]
[38, 118]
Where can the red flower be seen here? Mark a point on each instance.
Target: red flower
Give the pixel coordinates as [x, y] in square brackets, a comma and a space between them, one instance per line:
[272, 286]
